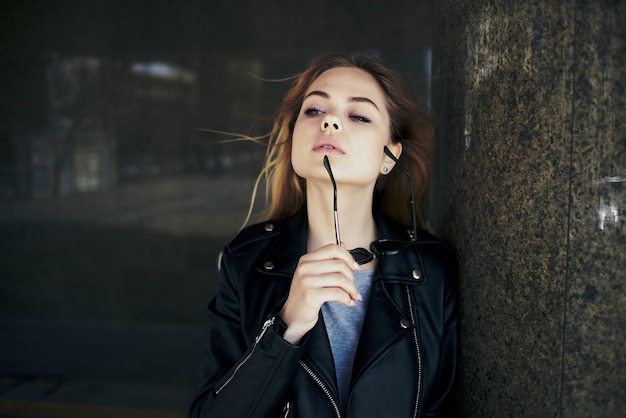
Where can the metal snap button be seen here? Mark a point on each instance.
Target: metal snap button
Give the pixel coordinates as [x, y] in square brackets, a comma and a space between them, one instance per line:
[269, 227]
[268, 265]
[417, 273]
[404, 323]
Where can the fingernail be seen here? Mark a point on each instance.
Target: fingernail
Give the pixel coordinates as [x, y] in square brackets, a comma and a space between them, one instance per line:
[359, 297]
[352, 303]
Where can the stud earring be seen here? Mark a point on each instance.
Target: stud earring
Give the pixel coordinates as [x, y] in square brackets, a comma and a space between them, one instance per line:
[385, 169]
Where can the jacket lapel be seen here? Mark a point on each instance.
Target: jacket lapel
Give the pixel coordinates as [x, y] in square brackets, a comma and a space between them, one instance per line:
[387, 320]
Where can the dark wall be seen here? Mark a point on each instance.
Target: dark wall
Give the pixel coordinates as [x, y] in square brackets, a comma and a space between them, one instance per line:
[529, 187]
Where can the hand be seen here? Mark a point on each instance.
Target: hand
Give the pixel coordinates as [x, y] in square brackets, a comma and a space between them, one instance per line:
[324, 275]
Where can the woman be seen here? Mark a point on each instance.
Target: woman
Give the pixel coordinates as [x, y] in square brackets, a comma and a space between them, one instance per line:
[302, 326]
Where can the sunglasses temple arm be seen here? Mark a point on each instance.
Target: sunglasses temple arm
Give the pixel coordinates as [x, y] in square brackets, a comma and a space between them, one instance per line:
[335, 211]
[337, 237]
[408, 176]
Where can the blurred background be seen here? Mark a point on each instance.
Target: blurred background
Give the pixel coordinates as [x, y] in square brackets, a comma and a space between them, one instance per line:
[116, 193]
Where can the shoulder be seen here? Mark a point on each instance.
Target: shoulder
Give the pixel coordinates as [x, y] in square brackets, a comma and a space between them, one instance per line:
[244, 252]
[275, 240]
[427, 241]
[437, 255]
[269, 248]
[254, 234]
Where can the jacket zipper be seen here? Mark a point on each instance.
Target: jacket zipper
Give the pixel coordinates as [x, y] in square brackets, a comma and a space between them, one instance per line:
[322, 386]
[266, 326]
[286, 409]
[418, 351]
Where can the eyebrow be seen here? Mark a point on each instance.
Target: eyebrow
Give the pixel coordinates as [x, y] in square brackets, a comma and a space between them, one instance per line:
[351, 99]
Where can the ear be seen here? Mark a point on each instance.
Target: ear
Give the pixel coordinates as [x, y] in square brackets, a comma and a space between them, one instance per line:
[388, 163]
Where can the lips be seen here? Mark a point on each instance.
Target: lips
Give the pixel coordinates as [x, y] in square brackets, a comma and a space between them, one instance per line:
[328, 145]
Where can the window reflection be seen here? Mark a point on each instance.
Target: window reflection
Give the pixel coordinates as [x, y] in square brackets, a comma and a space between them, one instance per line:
[114, 201]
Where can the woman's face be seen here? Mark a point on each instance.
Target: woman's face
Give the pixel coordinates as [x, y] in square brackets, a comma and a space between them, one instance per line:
[344, 115]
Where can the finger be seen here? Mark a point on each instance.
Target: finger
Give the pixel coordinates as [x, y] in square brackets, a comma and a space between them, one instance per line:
[332, 251]
[325, 266]
[335, 294]
[333, 280]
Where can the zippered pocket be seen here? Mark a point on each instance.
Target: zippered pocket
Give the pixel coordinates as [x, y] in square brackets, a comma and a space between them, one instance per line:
[258, 338]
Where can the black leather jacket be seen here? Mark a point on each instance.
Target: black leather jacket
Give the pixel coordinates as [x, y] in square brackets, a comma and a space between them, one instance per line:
[406, 358]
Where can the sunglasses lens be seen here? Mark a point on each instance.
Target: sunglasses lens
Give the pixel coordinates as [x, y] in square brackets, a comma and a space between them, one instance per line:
[388, 246]
[361, 255]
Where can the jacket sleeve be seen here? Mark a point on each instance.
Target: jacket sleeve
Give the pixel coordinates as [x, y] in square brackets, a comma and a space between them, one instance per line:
[242, 376]
[443, 403]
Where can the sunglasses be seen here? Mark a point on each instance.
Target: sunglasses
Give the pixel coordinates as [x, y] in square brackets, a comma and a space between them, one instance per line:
[383, 246]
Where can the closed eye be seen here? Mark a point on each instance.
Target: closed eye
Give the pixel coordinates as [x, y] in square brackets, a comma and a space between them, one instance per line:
[312, 111]
[360, 118]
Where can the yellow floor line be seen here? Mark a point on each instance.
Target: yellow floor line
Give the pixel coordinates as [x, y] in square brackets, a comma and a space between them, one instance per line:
[71, 410]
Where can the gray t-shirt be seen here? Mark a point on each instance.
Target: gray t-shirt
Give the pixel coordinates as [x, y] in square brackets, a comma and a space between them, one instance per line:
[343, 326]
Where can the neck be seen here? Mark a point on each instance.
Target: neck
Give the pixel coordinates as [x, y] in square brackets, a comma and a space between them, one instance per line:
[356, 222]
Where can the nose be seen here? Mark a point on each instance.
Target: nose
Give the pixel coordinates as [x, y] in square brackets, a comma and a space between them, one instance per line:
[332, 123]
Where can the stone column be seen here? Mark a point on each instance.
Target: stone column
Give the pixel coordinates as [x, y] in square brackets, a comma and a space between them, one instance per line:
[529, 186]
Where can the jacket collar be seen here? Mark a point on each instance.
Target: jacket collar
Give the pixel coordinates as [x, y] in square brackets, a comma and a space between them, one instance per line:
[291, 241]
[289, 245]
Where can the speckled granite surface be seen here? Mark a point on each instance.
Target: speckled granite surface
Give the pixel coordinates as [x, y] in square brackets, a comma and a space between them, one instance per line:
[530, 187]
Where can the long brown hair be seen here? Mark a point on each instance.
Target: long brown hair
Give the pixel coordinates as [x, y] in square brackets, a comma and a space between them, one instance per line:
[286, 191]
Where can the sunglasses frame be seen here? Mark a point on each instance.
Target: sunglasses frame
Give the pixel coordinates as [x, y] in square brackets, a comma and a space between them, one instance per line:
[360, 254]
